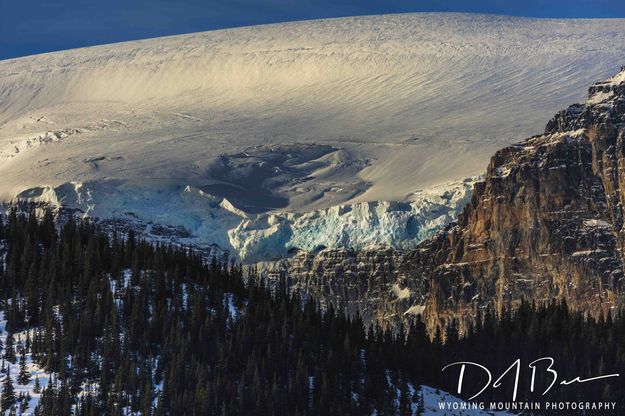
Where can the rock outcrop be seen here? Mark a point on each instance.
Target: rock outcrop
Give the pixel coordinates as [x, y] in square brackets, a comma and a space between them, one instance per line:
[547, 222]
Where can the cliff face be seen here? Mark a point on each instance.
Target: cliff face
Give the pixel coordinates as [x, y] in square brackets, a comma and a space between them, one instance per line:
[547, 222]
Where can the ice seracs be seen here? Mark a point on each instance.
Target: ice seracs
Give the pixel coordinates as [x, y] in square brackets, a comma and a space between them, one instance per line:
[189, 215]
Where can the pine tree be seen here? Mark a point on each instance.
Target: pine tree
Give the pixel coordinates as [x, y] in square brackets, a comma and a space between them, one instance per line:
[421, 403]
[23, 400]
[9, 349]
[404, 400]
[23, 377]
[147, 398]
[8, 393]
[37, 386]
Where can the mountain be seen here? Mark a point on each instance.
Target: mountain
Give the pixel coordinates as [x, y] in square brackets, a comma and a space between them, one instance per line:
[95, 324]
[266, 139]
[546, 223]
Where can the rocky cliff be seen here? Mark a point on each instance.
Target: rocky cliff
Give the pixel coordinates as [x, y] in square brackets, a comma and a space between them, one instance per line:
[547, 222]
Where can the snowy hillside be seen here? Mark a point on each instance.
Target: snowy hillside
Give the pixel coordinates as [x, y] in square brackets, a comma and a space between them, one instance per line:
[288, 118]
[28, 390]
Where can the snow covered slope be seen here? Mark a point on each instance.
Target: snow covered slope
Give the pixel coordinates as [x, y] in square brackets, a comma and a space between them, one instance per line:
[288, 118]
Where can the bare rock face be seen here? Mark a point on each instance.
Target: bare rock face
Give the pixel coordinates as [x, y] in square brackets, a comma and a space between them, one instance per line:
[370, 283]
[547, 222]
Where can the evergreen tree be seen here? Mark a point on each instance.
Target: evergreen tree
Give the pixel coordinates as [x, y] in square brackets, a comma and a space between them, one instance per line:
[23, 377]
[8, 393]
[37, 386]
[9, 348]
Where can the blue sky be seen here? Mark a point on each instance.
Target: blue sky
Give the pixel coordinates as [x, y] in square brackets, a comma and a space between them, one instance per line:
[34, 26]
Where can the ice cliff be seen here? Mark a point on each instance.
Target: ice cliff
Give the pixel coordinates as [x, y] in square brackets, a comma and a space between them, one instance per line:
[190, 215]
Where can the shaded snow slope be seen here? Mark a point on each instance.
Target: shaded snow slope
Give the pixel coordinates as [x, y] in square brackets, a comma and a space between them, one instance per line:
[290, 118]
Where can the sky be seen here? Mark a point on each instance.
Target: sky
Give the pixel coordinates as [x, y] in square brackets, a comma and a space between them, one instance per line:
[34, 26]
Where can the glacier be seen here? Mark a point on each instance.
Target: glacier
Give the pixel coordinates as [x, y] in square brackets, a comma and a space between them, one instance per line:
[199, 218]
[262, 140]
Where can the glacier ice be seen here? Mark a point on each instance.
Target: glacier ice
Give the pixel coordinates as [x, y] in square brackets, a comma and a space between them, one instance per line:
[206, 219]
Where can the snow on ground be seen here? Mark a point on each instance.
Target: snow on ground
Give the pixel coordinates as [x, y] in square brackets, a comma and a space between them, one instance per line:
[234, 311]
[292, 118]
[441, 403]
